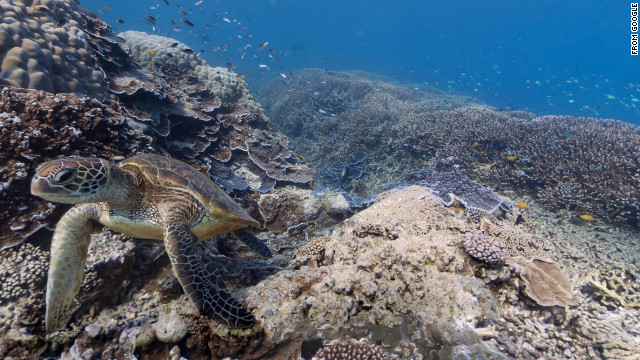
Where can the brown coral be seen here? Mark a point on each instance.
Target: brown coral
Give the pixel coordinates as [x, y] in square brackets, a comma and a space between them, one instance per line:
[487, 249]
[582, 164]
[351, 350]
[544, 282]
[36, 126]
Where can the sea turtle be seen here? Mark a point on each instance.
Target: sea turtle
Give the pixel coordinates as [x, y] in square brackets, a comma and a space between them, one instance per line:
[145, 196]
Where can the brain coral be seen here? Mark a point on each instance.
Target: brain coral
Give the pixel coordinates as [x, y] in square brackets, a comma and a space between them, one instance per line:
[43, 46]
[154, 50]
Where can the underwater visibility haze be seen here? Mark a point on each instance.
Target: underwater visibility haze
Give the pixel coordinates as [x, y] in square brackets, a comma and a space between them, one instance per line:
[547, 57]
[319, 179]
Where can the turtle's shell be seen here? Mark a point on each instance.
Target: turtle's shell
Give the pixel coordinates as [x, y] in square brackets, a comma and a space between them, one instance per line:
[173, 174]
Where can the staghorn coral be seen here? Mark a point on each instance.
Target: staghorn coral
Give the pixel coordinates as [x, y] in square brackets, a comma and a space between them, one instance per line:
[581, 164]
[323, 114]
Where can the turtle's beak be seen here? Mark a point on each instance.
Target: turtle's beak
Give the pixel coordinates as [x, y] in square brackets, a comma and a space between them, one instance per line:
[38, 186]
[41, 187]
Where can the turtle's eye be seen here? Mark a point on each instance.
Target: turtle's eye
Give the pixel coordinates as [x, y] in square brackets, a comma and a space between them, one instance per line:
[64, 176]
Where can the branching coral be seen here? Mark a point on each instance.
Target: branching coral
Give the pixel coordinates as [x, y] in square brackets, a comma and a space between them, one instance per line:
[586, 165]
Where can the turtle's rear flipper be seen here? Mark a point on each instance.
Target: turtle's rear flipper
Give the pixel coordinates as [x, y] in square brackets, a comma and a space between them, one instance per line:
[252, 242]
[69, 248]
[200, 278]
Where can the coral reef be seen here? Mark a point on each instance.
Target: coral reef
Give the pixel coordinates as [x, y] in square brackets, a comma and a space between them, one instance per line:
[44, 45]
[24, 268]
[585, 165]
[601, 264]
[393, 269]
[350, 350]
[450, 184]
[36, 126]
[486, 249]
[169, 108]
[389, 270]
[399, 275]
[154, 50]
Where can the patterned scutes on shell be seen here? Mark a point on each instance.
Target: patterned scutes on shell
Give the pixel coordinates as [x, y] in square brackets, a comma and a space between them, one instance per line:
[170, 173]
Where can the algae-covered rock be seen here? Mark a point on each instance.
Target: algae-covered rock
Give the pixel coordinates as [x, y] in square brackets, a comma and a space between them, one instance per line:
[392, 273]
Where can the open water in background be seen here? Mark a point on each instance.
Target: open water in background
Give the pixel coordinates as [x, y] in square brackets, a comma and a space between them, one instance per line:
[548, 57]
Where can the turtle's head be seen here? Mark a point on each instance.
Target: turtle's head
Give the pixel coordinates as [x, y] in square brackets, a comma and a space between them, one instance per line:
[72, 180]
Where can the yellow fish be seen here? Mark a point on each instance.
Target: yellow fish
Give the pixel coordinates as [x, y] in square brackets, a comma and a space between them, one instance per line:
[521, 205]
[587, 217]
[476, 143]
[149, 51]
[511, 158]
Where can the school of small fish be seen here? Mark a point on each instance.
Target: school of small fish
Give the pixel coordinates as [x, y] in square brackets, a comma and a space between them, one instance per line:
[200, 21]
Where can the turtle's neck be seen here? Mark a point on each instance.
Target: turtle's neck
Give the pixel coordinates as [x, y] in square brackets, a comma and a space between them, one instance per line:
[122, 191]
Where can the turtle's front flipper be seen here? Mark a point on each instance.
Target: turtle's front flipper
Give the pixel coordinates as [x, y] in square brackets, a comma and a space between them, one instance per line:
[200, 278]
[252, 241]
[66, 267]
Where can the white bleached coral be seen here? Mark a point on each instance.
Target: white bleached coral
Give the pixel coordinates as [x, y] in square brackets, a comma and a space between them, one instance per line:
[43, 46]
[154, 50]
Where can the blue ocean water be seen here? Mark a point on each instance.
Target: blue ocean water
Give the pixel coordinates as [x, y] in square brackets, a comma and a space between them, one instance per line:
[547, 57]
